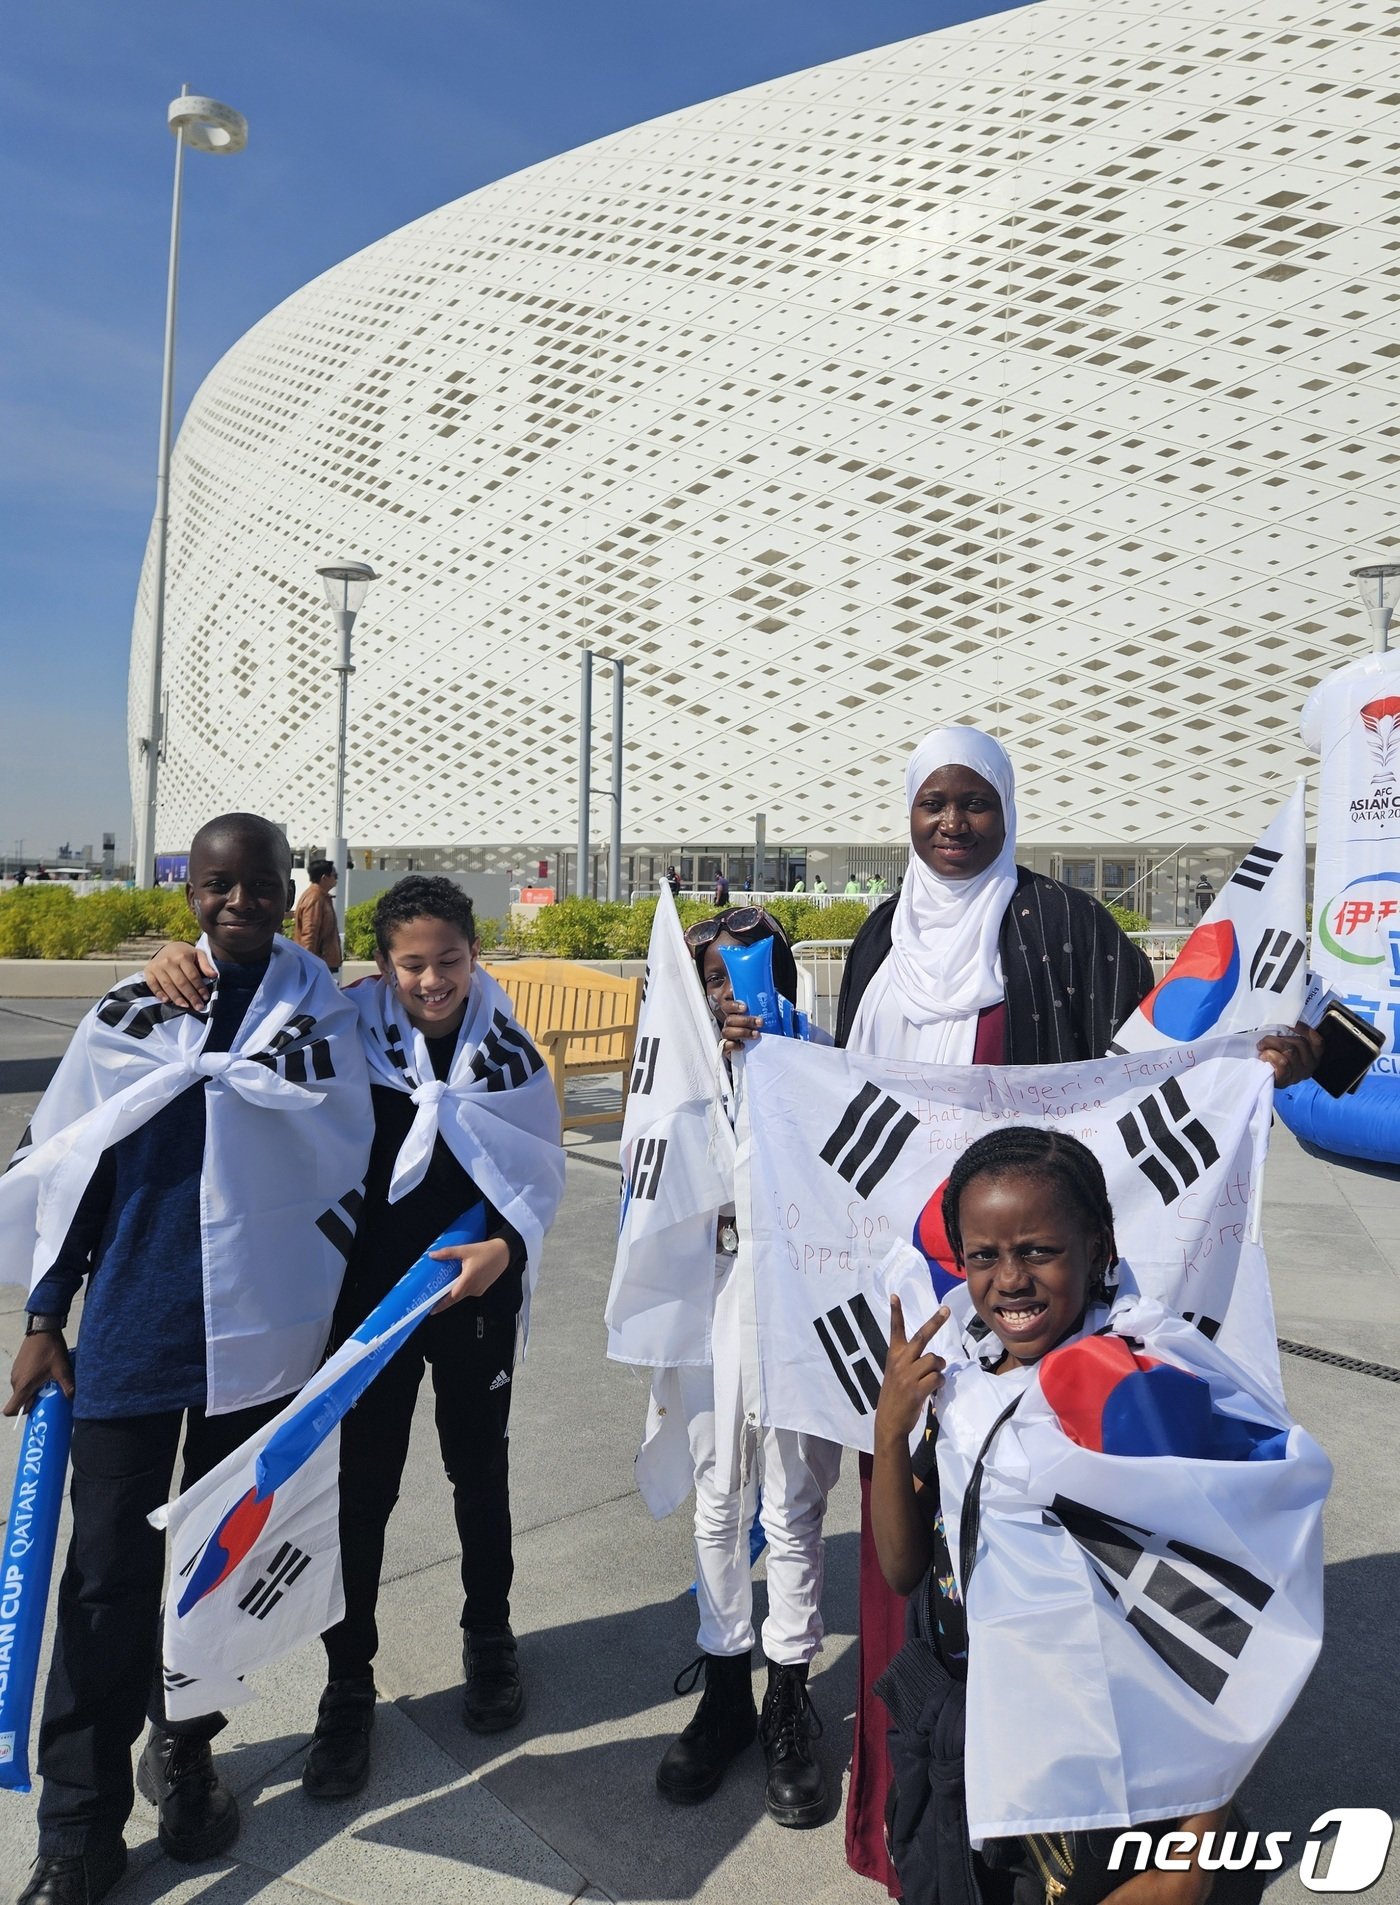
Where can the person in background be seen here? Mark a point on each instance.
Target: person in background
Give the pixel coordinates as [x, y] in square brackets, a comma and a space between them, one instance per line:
[875, 884]
[1205, 893]
[315, 923]
[721, 891]
[41, 872]
[673, 880]
[799, 885]
[21, 877]
[852, 885]
[819, 885]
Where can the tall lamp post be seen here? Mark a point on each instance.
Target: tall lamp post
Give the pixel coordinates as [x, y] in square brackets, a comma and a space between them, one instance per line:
[346, 584]
[1380, 591]
[205, 125]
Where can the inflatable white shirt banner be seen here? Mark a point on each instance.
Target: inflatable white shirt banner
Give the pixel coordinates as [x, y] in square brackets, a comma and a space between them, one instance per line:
[1353, 721]
[842, 1162]
[1244, 968]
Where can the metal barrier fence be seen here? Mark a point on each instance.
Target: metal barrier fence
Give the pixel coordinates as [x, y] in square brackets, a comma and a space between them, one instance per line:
[821, 966]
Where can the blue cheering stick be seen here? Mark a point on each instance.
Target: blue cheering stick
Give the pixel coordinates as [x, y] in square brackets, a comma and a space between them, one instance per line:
[26, 1566]
[299, 1438]
[292, 1444]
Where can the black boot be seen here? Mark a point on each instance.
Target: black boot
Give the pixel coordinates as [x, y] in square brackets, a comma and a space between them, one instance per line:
[787, 1727]
[337, 1761]
[198, 1813]
[494, 1697]
[721, 1727]
[81, 1880]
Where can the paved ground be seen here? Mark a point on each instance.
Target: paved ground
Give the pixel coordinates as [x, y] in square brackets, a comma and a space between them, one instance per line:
[564, 1808]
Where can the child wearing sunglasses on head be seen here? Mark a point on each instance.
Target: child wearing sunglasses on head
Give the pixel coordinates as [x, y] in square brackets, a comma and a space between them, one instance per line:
[795, 1474]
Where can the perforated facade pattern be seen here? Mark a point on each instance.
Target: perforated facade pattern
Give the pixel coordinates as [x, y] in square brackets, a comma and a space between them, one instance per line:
[1040, 372]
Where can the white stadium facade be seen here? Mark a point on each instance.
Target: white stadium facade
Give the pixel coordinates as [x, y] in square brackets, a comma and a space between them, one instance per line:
[1040, 372]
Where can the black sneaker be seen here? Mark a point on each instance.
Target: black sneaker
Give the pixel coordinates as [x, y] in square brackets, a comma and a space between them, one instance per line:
[796, 1793]
[80, 1880]
[337, 1761]
[494, 1697]
[720, 1728]
[198, 1813]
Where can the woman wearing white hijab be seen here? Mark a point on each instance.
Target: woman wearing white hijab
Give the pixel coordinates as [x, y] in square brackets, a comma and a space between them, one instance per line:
[943, 969]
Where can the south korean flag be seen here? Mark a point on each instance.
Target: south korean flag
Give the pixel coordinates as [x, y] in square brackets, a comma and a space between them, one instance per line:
[1244, 968]
[1169, 1515]
[843, 1159]
[677, 1166]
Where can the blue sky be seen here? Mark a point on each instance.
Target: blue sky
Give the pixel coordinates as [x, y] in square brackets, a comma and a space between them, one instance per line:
[363, 116]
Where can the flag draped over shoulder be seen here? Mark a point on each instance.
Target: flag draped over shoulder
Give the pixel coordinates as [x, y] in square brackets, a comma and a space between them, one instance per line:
[677, 1166]
[274, 1260]
[1146, 1601]
[497, 1108]
[1244, 968]
[842, 1162]
[255, 1543]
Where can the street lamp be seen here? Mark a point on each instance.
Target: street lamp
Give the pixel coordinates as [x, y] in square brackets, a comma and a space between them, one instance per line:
[206, 125]
[1380, 591]
[346, 584]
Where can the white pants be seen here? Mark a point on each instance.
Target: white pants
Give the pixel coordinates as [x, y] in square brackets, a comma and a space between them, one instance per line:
[796, 1473]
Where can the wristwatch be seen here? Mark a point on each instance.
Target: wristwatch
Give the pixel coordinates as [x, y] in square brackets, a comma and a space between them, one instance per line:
[37, 1324]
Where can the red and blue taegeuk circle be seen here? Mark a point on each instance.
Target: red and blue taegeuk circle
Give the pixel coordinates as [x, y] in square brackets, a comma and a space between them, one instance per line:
[931, 1241]
[1110, 1398]
[1201, 983]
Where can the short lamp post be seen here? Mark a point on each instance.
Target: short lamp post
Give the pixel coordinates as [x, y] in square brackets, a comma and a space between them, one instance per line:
[1380, 591]
[346, 584]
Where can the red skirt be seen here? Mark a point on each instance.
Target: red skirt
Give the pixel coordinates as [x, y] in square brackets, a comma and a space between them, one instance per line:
[880, 1638]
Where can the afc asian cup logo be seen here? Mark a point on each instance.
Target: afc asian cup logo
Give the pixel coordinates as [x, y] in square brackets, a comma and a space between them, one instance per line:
[1381, 721]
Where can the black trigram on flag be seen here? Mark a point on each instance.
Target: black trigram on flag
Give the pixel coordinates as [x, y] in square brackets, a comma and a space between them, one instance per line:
[173, 1681]
[1169, 1155]
[300, 1064]
[287, 1565]
[856, 1349]
[1209, 1326]
[644, 1066]
[393, 1047]
[505, 1057]
[872, 1133]
[647, 1161]
[136, 1011]
[295, 1028]
[339, 1224]
[1173, 1598]
[1275, 960]
[1255, 868]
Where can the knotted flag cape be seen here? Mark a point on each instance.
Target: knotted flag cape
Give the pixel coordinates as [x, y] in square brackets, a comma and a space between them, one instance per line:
[1146, 1598]
[496, 1109]
[255, 1543]
[1244, 968]
[842, 1162]
[279, 1196]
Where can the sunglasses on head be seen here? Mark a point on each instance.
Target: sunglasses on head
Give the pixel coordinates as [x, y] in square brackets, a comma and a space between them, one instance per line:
[738, 922]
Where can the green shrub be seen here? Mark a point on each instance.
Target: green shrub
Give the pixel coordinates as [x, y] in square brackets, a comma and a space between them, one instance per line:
[1130, 921]
[359, 930]
[843, 920]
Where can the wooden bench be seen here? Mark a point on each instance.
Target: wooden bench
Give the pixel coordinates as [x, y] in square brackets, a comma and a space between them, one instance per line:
[583, 1021]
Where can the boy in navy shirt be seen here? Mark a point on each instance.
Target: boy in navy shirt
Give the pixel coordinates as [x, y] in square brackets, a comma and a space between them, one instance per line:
[188, 1327]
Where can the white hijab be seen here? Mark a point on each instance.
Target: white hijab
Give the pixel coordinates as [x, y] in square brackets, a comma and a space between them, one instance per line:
[944, 964]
